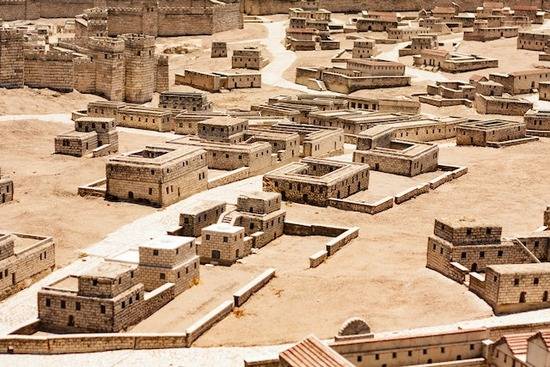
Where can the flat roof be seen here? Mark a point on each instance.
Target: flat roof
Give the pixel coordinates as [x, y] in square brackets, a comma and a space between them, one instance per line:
[172, 153]
[109, 269]
[534, 268]
[201, 206]
[262, 195]
[167, 242]
[464, 222]
[222, 121]
[223, 227]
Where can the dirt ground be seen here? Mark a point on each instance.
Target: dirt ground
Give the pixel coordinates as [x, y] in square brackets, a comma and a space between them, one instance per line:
[46, 200]
[380, 276]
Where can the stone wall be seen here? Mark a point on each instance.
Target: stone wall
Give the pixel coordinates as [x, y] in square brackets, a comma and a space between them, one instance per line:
[49, 70]
[12, 58]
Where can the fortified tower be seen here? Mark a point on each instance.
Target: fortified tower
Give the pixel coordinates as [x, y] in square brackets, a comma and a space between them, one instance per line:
[108, 54]
[140, 67]
[12, 59]
[150, 17]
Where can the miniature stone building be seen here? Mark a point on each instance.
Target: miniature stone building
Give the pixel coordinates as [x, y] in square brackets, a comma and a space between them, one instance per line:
[363, 49]
[193, 219]
[115, 295]
[223, 244]
[533, 40]
[24, 259]
[219, 50]
[521, 82]
[484, 31]
[407, 33]
[453, 62]
[358, 74]
[377, 148]
[168, 259]
[261, 216]
[121, 68]
[220, 80]
[315, 181]
[514, 288]
[162, 18]
[247, 58]
[196, 102]
[502, 105]
[462, 246]
[92, 135]
[6, 188]
[492, 133]
[537, 122]
[419, 43]
[222, 129]
[157, 175]
[148, 118]
[544, 91]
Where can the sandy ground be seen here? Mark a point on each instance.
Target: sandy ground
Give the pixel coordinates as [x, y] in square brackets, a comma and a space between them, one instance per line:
[46, 201]
[381, 276]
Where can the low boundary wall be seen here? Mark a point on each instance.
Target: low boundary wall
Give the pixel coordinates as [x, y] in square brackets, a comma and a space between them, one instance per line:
[93, 188]
[243, 294]
[207, 321]
[342, 236]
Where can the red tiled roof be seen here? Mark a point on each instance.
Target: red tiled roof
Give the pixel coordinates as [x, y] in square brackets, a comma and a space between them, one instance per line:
[310, 352]
[545, 336]
[516, 342]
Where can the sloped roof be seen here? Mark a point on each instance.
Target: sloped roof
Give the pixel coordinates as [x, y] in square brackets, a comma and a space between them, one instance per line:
[544, 335]
[310, 352]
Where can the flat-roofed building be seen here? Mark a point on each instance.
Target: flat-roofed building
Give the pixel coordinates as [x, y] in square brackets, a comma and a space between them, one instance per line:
[316, 181]
[158, 175]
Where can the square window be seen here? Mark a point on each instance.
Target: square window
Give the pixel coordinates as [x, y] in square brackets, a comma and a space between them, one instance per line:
[155, 252]
[162, 276]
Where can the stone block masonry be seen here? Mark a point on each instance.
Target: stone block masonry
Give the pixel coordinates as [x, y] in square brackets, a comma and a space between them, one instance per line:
[6, 188]
[157, 175]
[24, 259]
[12, 59]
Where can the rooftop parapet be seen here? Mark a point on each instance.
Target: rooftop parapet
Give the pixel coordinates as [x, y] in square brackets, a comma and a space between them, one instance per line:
[106, 44]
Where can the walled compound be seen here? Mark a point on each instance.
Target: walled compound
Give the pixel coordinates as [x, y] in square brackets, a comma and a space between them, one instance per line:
[358, 74]
[481, 347]
[157, 175]
[248, 58]
[189, 101]
[257, 220]
[220, 80]
[487, 96]
[316, 181]
[464, 246]
[492, 133]
[120, 69]
[493, 21]
[377, 148]
[537, 122]
[354, 123]
[6, 188]
[161, 18]
[117, 294]
[523, 81]
[92, 135]
[418, 44]
[24, 259]
[452, 62]
[308, 28]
